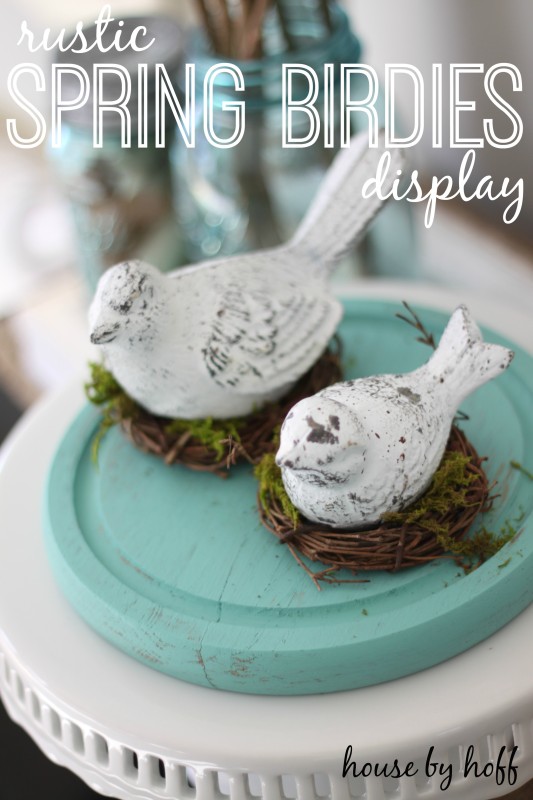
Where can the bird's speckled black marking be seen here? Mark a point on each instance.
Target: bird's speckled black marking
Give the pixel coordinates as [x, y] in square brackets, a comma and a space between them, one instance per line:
[413, 397]
[319, 434]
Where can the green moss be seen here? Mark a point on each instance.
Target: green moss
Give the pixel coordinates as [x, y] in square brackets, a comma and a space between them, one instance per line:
[447, 491]
[271, 487]
[481, 545]
[523, 470]
[102, 387]
[104, 391]
[212, 433]
[504, 564]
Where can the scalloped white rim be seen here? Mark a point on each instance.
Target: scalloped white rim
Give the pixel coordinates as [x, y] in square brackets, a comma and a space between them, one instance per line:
[116, 768]
[119, 725]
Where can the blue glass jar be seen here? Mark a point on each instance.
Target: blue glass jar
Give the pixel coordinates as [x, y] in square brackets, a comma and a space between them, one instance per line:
[254, 194]
[120, 197]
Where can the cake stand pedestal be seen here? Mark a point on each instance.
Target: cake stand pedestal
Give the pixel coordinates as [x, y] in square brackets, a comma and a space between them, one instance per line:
[131, 732]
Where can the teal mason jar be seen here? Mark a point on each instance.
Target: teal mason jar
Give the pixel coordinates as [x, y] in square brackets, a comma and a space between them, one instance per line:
[253, 195]
[120, 197]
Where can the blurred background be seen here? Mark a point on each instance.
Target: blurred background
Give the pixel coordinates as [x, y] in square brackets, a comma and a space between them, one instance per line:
[58, 213]
[42, 292]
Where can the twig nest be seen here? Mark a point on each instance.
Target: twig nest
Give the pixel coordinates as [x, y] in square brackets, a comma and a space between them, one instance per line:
[206, 444]
[434, 526]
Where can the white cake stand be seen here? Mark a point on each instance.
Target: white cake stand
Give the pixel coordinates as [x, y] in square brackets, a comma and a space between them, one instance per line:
[131, 732]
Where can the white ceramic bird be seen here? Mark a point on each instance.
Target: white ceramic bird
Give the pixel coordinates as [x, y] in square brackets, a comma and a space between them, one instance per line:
[361, 448]
[223, 337]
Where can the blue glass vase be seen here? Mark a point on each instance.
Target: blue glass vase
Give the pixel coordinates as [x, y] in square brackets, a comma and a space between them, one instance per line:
[120, 197]
[254, 195]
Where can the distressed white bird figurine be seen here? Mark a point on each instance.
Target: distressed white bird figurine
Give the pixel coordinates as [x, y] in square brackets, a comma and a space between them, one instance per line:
[221, 338]
[361, 448]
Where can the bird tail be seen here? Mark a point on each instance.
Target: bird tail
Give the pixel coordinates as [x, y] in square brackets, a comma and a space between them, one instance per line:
[463, 361]
[340, 214]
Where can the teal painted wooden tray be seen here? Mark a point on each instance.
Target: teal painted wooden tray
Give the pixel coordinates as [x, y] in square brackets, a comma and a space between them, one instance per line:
[173, 567]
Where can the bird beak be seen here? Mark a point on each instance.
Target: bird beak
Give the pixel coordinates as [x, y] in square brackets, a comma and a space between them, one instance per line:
[104, 334]
[286, 458]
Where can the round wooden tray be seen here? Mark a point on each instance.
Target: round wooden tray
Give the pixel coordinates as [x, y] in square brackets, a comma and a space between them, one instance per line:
[174, 568]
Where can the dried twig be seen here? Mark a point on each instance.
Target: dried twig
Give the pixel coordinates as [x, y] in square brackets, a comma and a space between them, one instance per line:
[415, 322]
[209, 27]
[239, 34]
[426, 338]
[226, 28]
[251, 44]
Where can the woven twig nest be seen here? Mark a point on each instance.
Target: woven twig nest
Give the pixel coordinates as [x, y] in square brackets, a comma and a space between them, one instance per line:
[435, 526]
[207, 445]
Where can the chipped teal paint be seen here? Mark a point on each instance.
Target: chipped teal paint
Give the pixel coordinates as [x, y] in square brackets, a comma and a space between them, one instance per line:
[173, 567]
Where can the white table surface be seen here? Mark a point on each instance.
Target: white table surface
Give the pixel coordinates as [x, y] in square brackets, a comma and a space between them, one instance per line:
[484, 695]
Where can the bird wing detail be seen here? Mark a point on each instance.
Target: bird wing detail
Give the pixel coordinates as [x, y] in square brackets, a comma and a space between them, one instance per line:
[260, 343]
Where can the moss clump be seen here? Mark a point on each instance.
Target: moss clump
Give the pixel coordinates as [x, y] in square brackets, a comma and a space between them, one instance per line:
[458, 485]
[447, 491]
[482, 545]
[102, 388]
[210, 444]
[271, 488]
[212, 433]
[105, 391]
